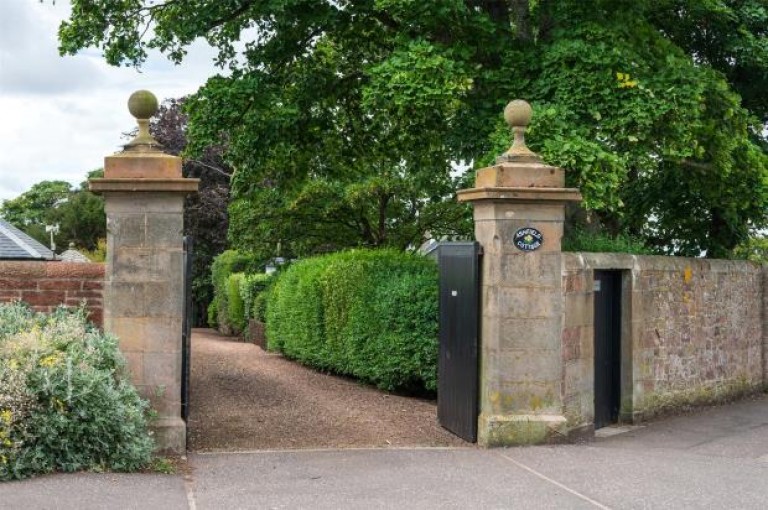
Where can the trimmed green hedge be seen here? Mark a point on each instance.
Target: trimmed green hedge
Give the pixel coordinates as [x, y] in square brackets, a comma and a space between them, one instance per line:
[259, 311]
[251, 287]
[223, 266]
[371, 314]
[235, 305]
[213, 313]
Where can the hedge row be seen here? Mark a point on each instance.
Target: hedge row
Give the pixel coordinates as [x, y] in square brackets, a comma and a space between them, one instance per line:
[237, 295]
[219, 313]
[253, 290]
[369, 314]
[243, 291]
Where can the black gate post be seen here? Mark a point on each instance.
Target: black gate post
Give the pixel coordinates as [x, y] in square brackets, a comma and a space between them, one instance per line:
[457, 377]
[186, 328]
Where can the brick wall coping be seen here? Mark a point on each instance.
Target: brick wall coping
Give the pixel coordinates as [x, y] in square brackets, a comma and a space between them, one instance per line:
[13, 269]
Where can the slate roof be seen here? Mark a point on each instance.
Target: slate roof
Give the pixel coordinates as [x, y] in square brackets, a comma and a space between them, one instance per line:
[16, 245]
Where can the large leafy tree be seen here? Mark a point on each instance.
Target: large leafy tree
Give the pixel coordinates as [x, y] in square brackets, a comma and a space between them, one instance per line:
[78, 212]
[344, 117]
[33, 205]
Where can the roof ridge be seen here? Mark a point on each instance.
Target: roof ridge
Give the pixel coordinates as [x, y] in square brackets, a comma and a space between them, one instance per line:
[9, 232]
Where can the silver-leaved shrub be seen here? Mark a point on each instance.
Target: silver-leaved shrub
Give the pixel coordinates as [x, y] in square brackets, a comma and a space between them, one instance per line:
[66, 402]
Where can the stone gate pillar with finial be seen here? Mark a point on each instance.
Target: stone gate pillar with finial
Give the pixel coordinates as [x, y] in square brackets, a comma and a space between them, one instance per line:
[144, 193]
[519, 211]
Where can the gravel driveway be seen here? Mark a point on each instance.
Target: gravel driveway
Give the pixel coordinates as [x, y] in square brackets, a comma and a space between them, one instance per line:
[243, 398]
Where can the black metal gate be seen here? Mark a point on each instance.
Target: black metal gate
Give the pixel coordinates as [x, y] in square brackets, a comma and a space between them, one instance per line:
[607, 347]
[186, 328]
[457, 392]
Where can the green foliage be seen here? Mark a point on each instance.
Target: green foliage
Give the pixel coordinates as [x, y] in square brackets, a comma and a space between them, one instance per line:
[235, 307]
[652, 140]
[223, 266]
[295, 313]
[32, 206]
[78, 212]
[754, 249]
[66, 403]
[371, 314]
[213, 313]
[729, 36]
[163, 465]
[600, 242]
[99, 254]
[251, 286]
[259, 311]
[343, 118]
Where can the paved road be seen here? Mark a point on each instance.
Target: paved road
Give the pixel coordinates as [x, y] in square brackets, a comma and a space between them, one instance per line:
[717, 458]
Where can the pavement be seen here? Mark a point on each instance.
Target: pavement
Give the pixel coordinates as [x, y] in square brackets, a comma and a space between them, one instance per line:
[714, 458]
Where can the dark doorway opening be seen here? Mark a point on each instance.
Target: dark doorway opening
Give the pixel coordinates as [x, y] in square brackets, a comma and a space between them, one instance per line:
[607, 322]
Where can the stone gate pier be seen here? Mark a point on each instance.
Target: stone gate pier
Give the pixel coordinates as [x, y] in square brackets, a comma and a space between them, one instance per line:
[571, 342]
[144, 194]
[519, 211]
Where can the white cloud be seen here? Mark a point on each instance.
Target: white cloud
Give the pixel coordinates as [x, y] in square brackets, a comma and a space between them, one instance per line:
[29, 60]
[62, 115]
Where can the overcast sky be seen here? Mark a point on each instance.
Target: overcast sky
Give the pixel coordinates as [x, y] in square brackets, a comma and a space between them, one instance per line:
[59, 116]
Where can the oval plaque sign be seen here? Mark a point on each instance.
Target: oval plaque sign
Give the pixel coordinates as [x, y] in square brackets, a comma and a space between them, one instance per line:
[528, 239]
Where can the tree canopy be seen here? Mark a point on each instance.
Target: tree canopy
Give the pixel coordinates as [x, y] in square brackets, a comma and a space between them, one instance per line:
[345, 118]
[78, 212]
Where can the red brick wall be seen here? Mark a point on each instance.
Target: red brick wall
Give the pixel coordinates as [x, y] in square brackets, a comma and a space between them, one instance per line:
[46, 285]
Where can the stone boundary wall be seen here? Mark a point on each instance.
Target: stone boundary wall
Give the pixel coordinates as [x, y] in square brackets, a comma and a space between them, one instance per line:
[46, 285]
[693, 332]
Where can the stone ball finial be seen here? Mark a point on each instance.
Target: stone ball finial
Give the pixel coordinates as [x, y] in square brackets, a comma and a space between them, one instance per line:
[518, 113]
[142, 104]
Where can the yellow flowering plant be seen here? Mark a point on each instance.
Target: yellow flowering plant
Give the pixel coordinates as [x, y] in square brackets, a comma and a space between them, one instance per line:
[66, 403]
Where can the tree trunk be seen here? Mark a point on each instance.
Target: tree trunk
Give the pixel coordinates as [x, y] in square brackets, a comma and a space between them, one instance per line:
[721, 239]
[521, 15]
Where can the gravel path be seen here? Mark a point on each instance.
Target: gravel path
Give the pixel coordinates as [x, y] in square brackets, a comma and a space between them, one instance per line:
[243, 398]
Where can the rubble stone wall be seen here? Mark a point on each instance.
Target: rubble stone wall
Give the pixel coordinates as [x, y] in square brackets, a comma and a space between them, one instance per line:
[692, 332]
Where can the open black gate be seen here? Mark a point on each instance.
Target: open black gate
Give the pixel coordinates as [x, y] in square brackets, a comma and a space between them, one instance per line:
[607, 347]
[186, 328]
[457, 386]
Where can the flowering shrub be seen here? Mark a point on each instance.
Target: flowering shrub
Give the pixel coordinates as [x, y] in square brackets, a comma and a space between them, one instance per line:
[65, 399]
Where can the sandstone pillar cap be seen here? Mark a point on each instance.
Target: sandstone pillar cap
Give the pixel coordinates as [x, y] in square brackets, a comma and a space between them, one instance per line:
[519, 174]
